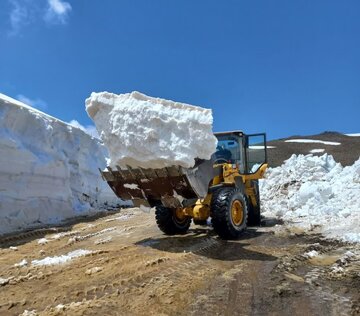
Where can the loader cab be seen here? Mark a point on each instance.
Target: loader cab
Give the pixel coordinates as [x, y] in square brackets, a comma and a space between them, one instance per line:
[248, 152]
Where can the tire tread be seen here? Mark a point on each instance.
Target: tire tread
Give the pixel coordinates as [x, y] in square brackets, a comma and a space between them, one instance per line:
[166, 223]
[220, 207]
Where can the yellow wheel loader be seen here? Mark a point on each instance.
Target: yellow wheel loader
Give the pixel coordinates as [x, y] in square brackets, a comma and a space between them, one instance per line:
[224, 188]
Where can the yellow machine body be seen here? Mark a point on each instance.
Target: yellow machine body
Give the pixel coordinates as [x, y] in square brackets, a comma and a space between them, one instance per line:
[201, 210]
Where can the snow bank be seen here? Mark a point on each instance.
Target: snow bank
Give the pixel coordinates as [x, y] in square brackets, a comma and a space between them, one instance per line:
[142, 131]
[315, 192]
[48, 169]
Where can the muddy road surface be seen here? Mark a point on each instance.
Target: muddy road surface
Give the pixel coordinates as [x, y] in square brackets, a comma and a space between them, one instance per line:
[121, 264]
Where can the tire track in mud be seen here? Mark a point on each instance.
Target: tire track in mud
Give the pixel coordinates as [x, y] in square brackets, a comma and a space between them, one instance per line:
[144, 272]
[157, 270]
[22, 237]
[36, 273]
[126, 284]
[66, 228]
[168, 268]
[31, 273]
[341, 305]
[57, 235]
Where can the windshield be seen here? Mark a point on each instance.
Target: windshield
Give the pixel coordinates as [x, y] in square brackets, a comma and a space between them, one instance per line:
[227, 150]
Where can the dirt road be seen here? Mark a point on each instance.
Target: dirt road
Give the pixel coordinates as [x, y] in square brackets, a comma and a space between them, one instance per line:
[121, 264]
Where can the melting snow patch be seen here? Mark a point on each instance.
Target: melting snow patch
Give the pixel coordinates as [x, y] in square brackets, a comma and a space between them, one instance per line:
[141, 131]
[336, 269]
[3, 281]
[61, 259]
[29, 313]
[349, 254]
[60, 307]
[79, 238]
[261, 147]
[353, 134]
[21, 263]
[61, 235]
[311, 254]
[93, 270]
[119, 218]
[315, 141]
[314, 151]
[42, 241]
[103, 240]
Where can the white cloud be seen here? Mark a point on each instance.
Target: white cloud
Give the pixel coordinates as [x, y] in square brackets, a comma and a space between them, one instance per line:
[35, 103]
[89, 129]
[19, 16]
[26, 12]
[57, 12]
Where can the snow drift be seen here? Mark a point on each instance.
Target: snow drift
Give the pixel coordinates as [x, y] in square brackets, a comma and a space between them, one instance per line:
[142, 131]
[315, 193]
[48, 169]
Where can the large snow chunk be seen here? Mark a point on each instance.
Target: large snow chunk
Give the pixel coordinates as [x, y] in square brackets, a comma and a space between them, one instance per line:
[48, 169]
[141, 131]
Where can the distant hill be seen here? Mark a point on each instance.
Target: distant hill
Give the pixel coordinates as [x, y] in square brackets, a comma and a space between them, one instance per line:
[347, 152]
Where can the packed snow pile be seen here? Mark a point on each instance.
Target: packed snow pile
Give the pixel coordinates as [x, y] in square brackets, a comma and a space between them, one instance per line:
[315, 193]
[48, 169]
[141, 131]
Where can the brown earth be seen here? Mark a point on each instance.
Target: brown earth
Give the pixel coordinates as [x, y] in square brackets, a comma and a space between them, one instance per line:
[136, 270]
[346, 153]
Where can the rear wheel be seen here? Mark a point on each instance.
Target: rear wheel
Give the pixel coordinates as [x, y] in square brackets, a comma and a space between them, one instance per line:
[170, 221]
[229, 210]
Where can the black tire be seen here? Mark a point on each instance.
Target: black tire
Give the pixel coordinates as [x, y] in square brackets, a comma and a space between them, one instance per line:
[254, 216]
[168, 222]
[221, 212]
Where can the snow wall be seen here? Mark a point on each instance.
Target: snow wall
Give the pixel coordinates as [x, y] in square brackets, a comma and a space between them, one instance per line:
[141, 131]
[316, 194]
[48, 169]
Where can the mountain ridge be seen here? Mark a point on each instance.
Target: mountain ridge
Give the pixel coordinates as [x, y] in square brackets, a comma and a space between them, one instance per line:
[347, 152]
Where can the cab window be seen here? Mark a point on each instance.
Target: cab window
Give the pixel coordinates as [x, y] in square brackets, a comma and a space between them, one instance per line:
[227, 150]
[256, 154]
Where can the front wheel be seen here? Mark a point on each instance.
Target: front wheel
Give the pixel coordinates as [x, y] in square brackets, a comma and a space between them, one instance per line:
[171, 222]
[229, 211]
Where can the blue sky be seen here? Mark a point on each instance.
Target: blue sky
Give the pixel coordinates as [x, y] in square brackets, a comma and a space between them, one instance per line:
[282, 67]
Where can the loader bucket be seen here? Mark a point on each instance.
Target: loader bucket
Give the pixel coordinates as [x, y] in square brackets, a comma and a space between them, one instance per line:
[173, 186]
